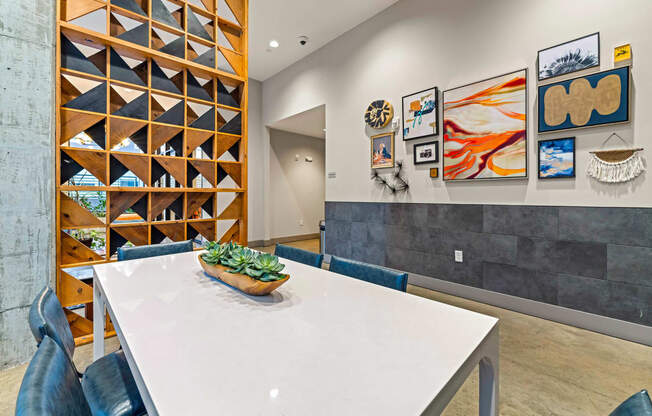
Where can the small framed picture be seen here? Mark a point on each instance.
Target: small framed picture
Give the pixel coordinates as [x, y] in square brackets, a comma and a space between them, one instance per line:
[622, 53]
[421, 114]
[426, 153]
[572, 56]
[434, 173]
[382, 151]
[557, 158]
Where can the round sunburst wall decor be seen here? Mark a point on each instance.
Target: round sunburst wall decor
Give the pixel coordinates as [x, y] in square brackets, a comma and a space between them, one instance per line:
[379, 114]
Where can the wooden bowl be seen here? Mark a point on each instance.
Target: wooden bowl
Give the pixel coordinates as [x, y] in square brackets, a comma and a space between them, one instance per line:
[245, 283]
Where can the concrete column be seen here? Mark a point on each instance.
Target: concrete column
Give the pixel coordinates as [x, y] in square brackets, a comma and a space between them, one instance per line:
[27, 52]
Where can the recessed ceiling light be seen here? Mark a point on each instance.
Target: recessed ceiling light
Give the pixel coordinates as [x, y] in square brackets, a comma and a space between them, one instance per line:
[273, 44]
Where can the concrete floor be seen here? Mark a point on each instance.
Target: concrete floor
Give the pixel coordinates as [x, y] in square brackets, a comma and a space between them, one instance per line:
[546, 368]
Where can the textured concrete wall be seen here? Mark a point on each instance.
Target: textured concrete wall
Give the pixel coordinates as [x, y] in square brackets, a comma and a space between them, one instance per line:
[27, 51]
[594, 260]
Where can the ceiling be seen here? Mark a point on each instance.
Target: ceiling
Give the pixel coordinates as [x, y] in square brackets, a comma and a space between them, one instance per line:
[309, 123]
[285, 20]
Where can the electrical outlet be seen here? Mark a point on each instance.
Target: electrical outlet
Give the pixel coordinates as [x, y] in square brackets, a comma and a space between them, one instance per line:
[459, 256]
[301, 223]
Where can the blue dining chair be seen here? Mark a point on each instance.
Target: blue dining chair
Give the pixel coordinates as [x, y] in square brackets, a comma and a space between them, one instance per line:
[107, 383]
[298, 255]
[50, 386]
[369, 273]
[637, 405]
[141, 252]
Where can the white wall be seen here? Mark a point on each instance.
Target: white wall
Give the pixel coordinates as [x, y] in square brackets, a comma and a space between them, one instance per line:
[417, 44]
[256, 227]
[297, 187]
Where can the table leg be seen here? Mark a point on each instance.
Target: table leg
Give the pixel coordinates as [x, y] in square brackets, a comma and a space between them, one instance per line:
[489, 376]
[98, 322]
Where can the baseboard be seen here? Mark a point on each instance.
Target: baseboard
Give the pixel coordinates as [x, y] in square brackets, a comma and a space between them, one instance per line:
[609, 326]
[291, 239]
[255, 243]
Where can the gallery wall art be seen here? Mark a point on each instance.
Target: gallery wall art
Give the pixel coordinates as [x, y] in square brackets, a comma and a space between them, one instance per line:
[575, 55]
[434, 173]
[485, 129]
[421, 114]
[382, 151]
[592, 100]
[426, 153]
[557, 158]
[379, 114]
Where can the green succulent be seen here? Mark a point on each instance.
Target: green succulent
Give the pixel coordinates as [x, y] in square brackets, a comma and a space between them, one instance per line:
[266, 268]
[217, 253]
[240, 260]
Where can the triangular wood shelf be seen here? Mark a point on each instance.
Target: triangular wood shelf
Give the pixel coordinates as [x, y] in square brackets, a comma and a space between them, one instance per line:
[234, 170]
[72, 251]
[174, 231]
[195, 200]
[92, 161]
[225, 142]
[122, 128]
[161, 135]
[195, 138]
[136, 234]
[161, 201]
[232, 35]
[205, 228]
[73, 291]
[138, 165]
[74, 215]
[74, 122]
[234, 59]
[238, 10]
[233, 211]
[232, 234]
[122, 201]
[206, 168]
[71, 10]
[174, 166]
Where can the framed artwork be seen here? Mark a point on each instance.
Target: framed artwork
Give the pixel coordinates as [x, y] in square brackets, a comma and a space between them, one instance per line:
[622, 53]
[557, 158]
[379, 114]
[592, 100]
[434, 173]
[485, 129]
[572, 56]
[382, 151]
[426, 153]
[421, 114]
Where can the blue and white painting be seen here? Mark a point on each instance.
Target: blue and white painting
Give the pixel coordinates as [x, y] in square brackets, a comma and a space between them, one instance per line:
[569, 57]
[557, 158]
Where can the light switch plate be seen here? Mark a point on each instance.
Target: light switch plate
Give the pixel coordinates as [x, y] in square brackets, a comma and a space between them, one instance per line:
[459, 256]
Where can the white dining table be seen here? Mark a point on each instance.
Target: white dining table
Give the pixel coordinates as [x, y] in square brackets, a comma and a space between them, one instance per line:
[321, 344]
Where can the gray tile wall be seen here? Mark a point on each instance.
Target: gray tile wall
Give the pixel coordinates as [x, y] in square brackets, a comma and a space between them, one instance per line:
[596, 260]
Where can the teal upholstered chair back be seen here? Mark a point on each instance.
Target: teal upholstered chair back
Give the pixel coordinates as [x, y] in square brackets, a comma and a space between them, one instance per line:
[369, 273]
[637, 405]
[298, 255]
[46, 317]
[50, 386]
[141, 252]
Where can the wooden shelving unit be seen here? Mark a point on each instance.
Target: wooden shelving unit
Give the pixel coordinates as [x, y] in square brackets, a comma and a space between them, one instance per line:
[155, 90]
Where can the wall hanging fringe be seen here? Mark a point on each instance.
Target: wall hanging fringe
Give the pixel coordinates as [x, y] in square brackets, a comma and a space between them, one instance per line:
[615, 166]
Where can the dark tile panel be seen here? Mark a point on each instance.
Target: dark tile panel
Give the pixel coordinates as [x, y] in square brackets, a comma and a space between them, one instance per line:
[359, 233]
[369, 253]
[341, 211]
[369, 212]
[516, 281]
[626, 226]
[521, 220]
[406, 260]
[407, 215]
[571, 257]
[476, 246]
[629, 264]
[613, 299]
[454, 217]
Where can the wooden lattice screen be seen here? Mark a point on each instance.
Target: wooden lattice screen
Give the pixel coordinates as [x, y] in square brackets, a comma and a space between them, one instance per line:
[151, 132]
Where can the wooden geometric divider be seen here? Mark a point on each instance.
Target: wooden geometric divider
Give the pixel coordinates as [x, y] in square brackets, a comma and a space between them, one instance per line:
[143, 100]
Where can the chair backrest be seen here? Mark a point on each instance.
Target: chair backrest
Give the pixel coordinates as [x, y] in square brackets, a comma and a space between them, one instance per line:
[46, 317]
[369, 273]
[50, 386]
[637, 405]
[141, 252]
[298, 255]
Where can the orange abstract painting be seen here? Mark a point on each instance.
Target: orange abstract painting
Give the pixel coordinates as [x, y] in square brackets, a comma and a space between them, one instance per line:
[485, 129]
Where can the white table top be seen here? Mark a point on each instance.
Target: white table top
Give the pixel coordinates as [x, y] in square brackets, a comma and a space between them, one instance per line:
[322, 344]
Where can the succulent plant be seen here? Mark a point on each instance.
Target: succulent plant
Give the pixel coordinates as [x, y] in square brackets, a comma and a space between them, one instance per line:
[217, 253]
[240, 260]
[266, 268]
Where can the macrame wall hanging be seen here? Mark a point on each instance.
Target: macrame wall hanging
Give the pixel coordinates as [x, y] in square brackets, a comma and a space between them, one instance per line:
[399, 184]
[615, 166]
